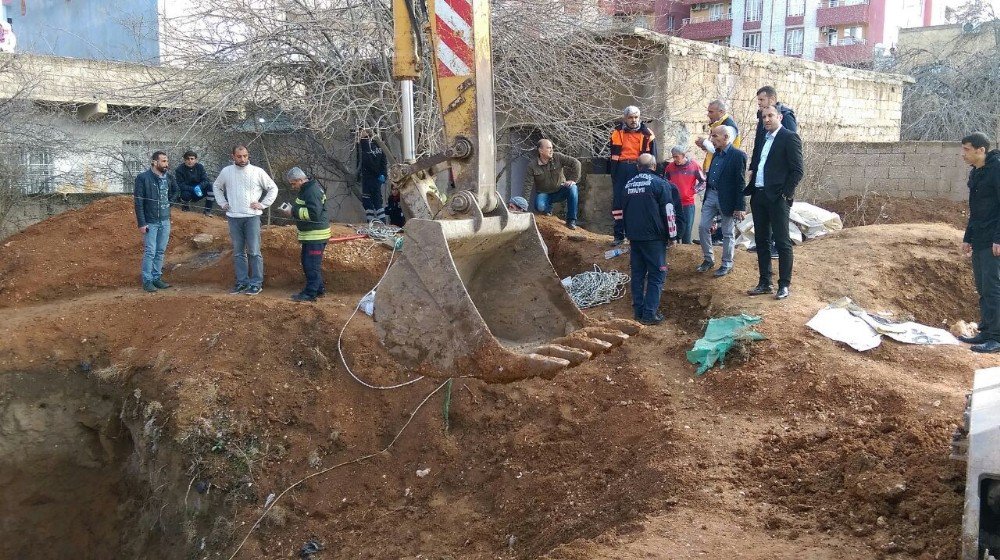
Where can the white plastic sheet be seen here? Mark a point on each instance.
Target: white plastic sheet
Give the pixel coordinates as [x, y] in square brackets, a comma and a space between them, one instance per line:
[805, 221]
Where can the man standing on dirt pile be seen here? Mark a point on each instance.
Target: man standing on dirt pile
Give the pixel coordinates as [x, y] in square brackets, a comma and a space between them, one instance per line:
[630, 139]
[644, 211]
[309, 211]
[553, 178]
[982, 238]
[777, 169]
[154, 189]
[767, 96]
[238, 189]
[690, 180]
[723, 198]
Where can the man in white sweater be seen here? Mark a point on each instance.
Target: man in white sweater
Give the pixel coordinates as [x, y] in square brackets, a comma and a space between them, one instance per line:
[238, 191]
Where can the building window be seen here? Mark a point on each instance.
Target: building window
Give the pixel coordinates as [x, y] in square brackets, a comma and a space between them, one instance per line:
[754, 10]
[724, 41]
[831, 36]
[854, 35]
[670, 23]
[835, 3]
[717, 12]
[37, 171]
[751, 41]
[793, 41]
[796, 7]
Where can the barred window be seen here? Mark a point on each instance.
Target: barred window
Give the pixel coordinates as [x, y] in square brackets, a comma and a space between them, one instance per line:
[37, 174]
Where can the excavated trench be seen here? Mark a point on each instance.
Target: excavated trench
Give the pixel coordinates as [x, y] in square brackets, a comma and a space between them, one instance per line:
[75, 481]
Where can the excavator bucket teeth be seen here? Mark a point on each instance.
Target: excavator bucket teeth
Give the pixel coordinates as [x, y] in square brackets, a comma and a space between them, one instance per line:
[483, 303]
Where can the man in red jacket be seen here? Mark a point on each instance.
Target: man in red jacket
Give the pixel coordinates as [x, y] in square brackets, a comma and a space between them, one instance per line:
[689, 178]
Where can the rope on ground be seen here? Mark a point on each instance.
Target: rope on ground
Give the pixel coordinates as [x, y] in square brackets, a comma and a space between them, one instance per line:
[590, 289]
[382, 233]
[340, 338]
[269, 506]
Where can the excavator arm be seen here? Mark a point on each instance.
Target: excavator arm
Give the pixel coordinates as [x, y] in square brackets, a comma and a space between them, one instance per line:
[473, 291]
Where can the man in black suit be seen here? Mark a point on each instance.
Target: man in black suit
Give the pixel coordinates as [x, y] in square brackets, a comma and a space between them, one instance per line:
[777, 169]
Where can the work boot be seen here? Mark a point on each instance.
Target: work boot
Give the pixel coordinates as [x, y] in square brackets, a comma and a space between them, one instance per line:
[977, 339]
[160, 284]
[656, 320]
[760, 289]
[149, 287]
[988, 347]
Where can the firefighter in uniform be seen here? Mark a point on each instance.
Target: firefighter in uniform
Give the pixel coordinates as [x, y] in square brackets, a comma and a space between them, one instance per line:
[644, 211]
[630, 139]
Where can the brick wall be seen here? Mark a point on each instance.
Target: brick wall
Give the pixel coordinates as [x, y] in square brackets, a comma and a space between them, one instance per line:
[910, 169]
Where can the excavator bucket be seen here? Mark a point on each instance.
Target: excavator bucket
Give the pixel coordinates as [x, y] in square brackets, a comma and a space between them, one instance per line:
[484, 303]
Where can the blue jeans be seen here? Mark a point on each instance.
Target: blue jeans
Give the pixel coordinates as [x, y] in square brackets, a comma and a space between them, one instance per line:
[648, 260]
[312, 266]
[709, 210]
[986, 271]
[570, 194]
[688, 213]
[154, 243]
[247, 260]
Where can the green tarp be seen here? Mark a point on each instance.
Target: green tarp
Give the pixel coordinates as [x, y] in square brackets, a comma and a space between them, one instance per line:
[720, 335]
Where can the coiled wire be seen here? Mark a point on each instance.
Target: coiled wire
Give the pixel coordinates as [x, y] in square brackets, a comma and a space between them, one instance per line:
[382, 233]
[590, 289]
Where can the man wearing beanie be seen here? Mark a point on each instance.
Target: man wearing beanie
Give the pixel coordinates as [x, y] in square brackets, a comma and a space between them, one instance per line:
[309, 211]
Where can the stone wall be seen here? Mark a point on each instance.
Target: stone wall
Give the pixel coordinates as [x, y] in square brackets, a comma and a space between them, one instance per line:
[33, 209]
[909, 169]
[832, 103]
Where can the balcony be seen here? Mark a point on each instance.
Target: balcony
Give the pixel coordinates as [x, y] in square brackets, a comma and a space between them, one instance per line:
[631, 6]
[853, 53]
[842, 12]
[708, 27]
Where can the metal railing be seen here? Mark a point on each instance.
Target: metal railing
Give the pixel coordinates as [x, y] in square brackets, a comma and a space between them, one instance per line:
[706, 19]
[839, 3]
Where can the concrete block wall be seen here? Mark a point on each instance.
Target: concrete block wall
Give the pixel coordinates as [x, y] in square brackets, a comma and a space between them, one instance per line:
[908, 169]
[832, 103]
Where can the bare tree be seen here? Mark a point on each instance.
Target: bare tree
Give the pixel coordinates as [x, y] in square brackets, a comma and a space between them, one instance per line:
[320, 68]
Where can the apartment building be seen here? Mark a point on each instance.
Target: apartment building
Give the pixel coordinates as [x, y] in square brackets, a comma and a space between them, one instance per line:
[845, 32]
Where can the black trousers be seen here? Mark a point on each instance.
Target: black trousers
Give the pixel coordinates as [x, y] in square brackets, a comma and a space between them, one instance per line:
[986, 270]
[770, 220]
[623, 172]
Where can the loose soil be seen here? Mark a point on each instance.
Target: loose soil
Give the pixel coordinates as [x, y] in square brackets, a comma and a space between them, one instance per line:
[797, 448]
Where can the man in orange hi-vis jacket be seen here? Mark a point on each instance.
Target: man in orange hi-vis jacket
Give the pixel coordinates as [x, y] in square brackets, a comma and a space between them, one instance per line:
[630, 139]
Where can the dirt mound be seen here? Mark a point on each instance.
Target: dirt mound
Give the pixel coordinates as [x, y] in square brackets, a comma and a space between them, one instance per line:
[881, 209]
[98, 247]
[797, 448]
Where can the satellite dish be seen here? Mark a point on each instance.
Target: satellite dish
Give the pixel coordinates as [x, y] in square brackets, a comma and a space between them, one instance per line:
[7, 38]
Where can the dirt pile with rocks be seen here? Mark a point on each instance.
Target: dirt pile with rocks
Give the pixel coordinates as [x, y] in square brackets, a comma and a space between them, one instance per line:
[798, 448]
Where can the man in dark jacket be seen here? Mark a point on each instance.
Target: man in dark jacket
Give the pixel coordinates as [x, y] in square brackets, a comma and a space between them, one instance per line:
[553, 177]
[309, 211]
[723, 197]
[778, 168]
[644, 211]
[630, 139]
[767, 96]
[154, 189]
[193, 183]
[982, 237]
[372, 171]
